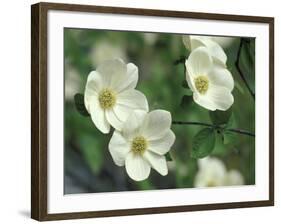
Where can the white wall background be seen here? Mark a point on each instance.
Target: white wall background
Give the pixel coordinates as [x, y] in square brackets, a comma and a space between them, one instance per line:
[15, 112]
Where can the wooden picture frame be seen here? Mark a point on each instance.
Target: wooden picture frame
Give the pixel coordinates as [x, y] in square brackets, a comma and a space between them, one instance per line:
[39, 109]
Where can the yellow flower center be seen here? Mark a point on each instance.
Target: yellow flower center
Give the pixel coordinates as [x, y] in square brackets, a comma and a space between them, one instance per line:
[107, 99]
[139, 145]
[202, 84]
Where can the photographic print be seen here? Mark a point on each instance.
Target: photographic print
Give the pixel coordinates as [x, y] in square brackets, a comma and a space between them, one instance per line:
[152, 111]
[140, 111]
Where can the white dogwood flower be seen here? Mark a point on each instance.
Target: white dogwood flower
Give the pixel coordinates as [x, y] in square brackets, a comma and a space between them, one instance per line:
[210, 82]
[143, 143]
[191, 42]
[106, 50]
[224, 42]
[233, 177]
[110, 94]
[212, 172]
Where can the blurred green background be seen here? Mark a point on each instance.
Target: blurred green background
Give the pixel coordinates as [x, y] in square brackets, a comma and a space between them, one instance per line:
[87, 161]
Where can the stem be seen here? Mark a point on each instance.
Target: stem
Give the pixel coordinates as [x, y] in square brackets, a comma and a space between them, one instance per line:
[239, 131]
[240, 70]
[236, 130]
[194, 123]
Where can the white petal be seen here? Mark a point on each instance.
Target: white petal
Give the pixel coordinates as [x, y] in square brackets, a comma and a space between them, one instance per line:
[93, 86]
[199, 62]
[197, 41]
[211, 164]
[225, 42]
[124, 108]
[203, 163]
[186, 41]
[220, 96]
[199, 180]
[220, 76]
[234, 177]
[204, 101]
[98, 116]
[191, 42]
[157, 162]
[190, 77]
[215, 169]
[118, 148]
[112, 71]
[137, 167]
[129, 81]
[113, 119]
[163, 145]
[156, 124]
[133, 99]
[216, 98]
[122, 112]
[203, 179]
[132, 125]
[94, 81]
[216, 51]
[211, 172]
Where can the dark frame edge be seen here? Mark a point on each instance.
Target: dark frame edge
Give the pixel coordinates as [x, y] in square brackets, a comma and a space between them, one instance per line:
[154, 12]
[157, 210]
[38, 108]
[271, 110]
[39, 111]
[35, 192]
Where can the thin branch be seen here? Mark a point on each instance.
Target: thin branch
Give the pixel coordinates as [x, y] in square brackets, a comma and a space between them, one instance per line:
[240, 70]
[194, 123]
[239, 131]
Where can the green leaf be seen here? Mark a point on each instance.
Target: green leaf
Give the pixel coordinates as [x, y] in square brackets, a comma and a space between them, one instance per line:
[219, 117]
[79, 104]
[220, 148]
[185, 101]
[231, 122]
[168, 157]
[229, 137]
[247, 61]
[188, 92]
[184, 84]
[239, 87]
[249, 47]
[203, 143]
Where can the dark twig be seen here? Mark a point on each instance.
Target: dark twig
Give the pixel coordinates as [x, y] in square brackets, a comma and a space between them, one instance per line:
[240, 70]
[181, 60]
[239, 131]
[193, 123]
